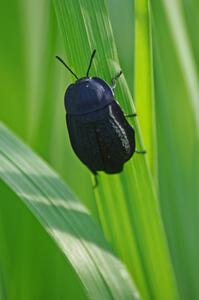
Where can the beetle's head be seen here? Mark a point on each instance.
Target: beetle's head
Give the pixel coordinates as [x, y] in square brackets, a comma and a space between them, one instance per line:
[87, 95]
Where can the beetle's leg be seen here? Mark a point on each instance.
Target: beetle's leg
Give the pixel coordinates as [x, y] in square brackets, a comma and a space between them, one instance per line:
[114, 79]
[140, 151]
[130, 115]
[95, 180]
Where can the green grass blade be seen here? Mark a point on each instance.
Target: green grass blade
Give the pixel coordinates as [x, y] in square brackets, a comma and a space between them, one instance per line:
[32, 265]
[127, 204]
[14, 108]
[189, 11]
[65, 219]
[176, 90]
[143, 77]
[185, 56]
[123, 30]
[2, 287]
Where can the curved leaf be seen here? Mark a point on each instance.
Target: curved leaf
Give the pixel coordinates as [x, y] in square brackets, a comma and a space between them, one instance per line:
[65, 219]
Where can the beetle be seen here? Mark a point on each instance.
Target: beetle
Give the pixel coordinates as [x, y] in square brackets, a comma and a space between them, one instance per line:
[99, 133]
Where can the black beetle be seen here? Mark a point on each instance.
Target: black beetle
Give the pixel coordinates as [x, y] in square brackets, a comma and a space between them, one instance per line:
[99, 132]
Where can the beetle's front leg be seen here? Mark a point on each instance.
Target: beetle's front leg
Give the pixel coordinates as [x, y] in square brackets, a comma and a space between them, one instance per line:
[95, 179]
[130, 115]
[114, 79]
[140, 151]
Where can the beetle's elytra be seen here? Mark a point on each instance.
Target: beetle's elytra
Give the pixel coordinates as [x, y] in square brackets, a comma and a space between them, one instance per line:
[99, 132]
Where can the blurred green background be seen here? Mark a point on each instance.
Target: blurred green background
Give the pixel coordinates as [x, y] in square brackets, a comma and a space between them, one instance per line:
[32, 86]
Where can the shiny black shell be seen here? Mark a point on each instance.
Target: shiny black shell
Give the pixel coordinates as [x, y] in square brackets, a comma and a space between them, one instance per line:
[99, 133]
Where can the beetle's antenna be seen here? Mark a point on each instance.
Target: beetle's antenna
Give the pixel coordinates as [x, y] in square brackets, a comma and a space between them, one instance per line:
[67, 67]
[90, 63]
